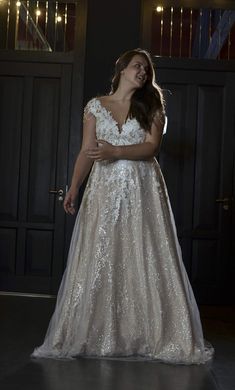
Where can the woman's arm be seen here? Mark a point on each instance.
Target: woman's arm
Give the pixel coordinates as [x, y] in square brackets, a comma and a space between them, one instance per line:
[144, 151]
[83, 164]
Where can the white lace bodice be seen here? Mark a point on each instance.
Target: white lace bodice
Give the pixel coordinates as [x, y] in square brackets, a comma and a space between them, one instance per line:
[122, 177]
[107, 128]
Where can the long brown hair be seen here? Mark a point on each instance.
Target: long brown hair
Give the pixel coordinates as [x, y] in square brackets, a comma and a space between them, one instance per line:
[145, 101]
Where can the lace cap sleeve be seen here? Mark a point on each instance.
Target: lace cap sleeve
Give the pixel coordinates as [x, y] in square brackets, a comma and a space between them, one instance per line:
[90, 110]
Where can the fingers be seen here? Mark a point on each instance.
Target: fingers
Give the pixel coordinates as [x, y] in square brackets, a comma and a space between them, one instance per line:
[101, 141]
[69, 206]
[101, 152]
[92, 150]
[69, 210]
[94, 154]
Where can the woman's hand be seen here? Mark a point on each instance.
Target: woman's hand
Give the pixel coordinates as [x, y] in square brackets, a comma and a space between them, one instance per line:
[104, 151]
[69, 201]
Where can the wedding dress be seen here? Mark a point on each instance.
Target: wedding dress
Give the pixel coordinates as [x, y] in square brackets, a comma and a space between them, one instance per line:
[125, 293]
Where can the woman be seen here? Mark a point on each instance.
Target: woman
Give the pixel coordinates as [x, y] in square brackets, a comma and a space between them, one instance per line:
[125, 292]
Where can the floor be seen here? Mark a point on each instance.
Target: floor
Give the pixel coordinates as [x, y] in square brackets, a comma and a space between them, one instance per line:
[23, 324]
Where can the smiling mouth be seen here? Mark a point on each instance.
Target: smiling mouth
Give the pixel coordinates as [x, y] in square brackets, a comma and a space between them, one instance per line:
[141, 78]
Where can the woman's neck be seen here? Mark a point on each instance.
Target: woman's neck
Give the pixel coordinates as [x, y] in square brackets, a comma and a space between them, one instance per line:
[123, 94]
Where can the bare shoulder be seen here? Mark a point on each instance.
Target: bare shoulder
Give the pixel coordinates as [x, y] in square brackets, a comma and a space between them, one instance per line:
[159, 116]
[105, 99]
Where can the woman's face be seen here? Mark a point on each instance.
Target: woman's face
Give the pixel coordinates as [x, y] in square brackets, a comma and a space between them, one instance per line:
[136, 71]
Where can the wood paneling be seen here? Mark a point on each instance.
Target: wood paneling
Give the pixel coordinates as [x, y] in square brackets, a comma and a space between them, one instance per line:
[34, 144]
[7, 250]
[197, 162]
[43, 151]
[11, 100]
[39, 248]
[208, 157]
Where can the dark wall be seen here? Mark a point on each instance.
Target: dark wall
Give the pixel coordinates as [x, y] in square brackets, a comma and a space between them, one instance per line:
[112, 29]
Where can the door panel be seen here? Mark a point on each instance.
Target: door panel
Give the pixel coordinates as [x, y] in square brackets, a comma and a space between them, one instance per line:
[43, 156]
[8, 249]
[34, 143]
[10, 139]
[208, 158]
[39, 247]
[197, 162]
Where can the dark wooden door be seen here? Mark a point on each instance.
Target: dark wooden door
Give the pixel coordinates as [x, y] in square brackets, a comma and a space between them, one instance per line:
[197, 159]
[34, 129]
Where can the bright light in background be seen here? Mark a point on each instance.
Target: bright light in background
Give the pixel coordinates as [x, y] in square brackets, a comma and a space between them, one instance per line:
[159, 8]
[38, 12]
[59, 18]
[18, 4]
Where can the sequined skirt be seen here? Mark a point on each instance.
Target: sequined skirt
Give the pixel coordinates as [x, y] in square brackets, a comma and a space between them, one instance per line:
[125, 293]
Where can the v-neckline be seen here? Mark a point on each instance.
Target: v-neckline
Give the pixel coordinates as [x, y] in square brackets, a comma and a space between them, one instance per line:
[109, 112]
